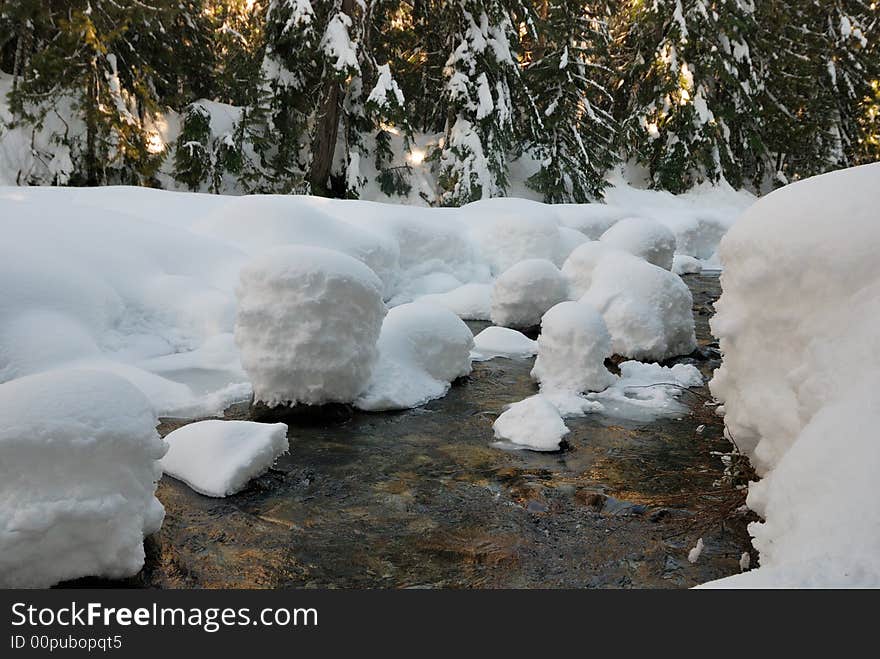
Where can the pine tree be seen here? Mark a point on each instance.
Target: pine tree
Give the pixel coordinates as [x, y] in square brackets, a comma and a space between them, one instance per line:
[567, 76]
[691, 111]
[482, 77]
[97, 54]
[821, 85]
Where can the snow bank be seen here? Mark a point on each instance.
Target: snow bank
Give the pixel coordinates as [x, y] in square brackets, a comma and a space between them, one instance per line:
[533, 423]
[592, 220]
[468, 302]
[648, 310]
[799, 326]
[218, 458]
[307, 325]
[502, 342]
[86, 287]
[261, 222]
[508, 231]
[524, 292]
[422, 349]
[78, 470]
[643, 237]
[698, 218]
[141, 282]
[572, 349]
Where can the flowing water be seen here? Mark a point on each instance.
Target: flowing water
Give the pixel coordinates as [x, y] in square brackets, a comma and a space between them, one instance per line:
[421, 499]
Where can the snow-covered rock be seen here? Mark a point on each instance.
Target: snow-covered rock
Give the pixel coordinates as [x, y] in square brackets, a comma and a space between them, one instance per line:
[422, 349]
[686, 265]
[578, 267]
[572, 349]
[524, 292]
[217, 458]
[307, 325]
[468, 302]
[647, 309]
[533, 423]
[79, 463]
[643, 237]
[502, 342]
[799, 326]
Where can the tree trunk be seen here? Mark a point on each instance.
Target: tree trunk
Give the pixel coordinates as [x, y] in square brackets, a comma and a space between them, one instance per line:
[92, 125]
[327, 129]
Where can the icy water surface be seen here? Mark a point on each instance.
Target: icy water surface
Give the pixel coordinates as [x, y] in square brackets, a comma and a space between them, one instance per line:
[421, 499]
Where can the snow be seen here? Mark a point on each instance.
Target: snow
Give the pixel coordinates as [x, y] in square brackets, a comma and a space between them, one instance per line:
[686, 265]
[524, 292]
[258, 223]
[217, 458]
[644, 238]
[142, 283]
[422, 349]
[645, 392]
[502, 342]
[508, 231]
[592, 220]
[797, 324]
[572, 349]
[468, 302]
[533, 423]
[647, 309]
[570, 239]
[78, 470]
[307, 325]
[578, 267]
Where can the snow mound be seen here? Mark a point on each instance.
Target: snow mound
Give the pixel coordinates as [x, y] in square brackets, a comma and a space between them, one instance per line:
[578, 267]
[524, 292]
[307, 325]
[798, 326]
[648, 310]
[572, 349]
[533, 423]
[422, 349]
[502, 342]
[218, 458]
[468, 302]
[79, 464]
[686, 265]
[643, 237]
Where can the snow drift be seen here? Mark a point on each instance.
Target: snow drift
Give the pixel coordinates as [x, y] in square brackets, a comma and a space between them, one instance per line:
[799, 326]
